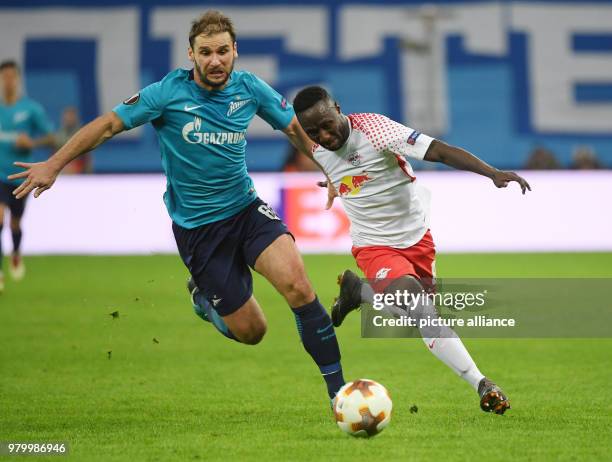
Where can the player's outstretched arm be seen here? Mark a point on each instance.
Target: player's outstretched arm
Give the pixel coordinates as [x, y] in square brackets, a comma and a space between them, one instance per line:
[461, 159]
[298, 138]
[40, 176]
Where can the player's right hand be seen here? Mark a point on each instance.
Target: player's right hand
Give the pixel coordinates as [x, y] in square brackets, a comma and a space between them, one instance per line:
[501, 180]
[39, 176]
[331, 193]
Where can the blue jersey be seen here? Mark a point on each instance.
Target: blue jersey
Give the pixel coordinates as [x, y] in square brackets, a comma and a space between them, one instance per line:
[202, 141]
[25, 116]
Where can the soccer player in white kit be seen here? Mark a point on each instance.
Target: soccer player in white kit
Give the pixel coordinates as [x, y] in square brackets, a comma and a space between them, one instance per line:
[364, 159]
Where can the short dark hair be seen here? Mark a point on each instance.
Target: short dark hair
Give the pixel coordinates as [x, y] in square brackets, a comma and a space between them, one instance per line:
[211, 22]
[308, 97]
[9, 64]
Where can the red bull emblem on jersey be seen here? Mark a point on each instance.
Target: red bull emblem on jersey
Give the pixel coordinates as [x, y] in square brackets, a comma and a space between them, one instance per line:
[352, 184]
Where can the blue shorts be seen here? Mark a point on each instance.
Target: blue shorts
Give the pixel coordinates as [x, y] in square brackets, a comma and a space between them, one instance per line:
[218, 255]
[16, 206]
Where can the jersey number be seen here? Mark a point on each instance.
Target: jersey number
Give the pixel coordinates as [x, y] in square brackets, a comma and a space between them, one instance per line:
[267, 211]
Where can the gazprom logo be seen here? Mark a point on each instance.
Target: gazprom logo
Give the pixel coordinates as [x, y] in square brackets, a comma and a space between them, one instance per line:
[193, 135]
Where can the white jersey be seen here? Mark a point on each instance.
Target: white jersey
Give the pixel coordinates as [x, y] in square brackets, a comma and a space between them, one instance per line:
[376, 183]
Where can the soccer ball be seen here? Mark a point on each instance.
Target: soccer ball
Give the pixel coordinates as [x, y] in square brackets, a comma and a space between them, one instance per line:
[363, 408]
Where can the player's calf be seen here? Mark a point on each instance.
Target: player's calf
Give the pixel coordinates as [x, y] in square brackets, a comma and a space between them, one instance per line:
[281, 264]
[251, 335]
[248, 323]
[319, 339]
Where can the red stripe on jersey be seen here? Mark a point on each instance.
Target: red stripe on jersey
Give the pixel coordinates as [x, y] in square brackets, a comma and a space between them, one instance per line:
[401, 162]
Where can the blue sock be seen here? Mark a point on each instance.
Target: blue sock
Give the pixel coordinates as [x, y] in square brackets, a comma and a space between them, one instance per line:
[205, 310]
[319, 339]
[16, 240]
[1, 254]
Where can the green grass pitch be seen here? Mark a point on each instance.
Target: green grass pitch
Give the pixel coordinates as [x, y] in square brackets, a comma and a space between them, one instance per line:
[158, 384]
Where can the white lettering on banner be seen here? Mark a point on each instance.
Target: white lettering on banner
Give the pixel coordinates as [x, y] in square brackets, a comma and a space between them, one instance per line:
[555, 68]
[116, 32]
[252, 22]
[422, 32]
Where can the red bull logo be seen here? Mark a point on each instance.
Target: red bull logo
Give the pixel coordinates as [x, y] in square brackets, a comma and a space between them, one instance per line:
[352, 184]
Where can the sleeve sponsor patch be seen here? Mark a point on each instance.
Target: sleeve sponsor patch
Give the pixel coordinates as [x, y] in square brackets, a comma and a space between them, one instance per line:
[413, 137]
[132, 99]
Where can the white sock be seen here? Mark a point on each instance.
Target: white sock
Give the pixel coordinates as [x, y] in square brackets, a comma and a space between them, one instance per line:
[367, 293]
[452, 352]
[446, 345]
[443, 342]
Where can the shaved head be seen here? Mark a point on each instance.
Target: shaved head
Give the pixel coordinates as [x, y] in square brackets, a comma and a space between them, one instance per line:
[321, 118]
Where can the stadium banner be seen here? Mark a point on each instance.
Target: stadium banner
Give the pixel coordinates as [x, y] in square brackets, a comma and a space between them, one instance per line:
[125, 214]
[498, 78]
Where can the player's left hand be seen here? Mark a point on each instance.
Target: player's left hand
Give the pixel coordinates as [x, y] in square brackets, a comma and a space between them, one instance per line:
[39, 176]
[331, 193]
[501, 180]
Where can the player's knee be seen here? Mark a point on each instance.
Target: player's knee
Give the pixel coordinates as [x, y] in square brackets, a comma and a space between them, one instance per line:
[405, 284]
[298, 291]
[300, 287]
[254, 333]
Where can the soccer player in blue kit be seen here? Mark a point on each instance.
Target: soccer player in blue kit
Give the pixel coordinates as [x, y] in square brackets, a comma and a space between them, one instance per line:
[221, 227]
[23, 127]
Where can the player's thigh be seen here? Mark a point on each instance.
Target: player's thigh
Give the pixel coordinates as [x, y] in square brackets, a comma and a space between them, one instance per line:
[282, 265]
[271, 251]
[248, 322]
